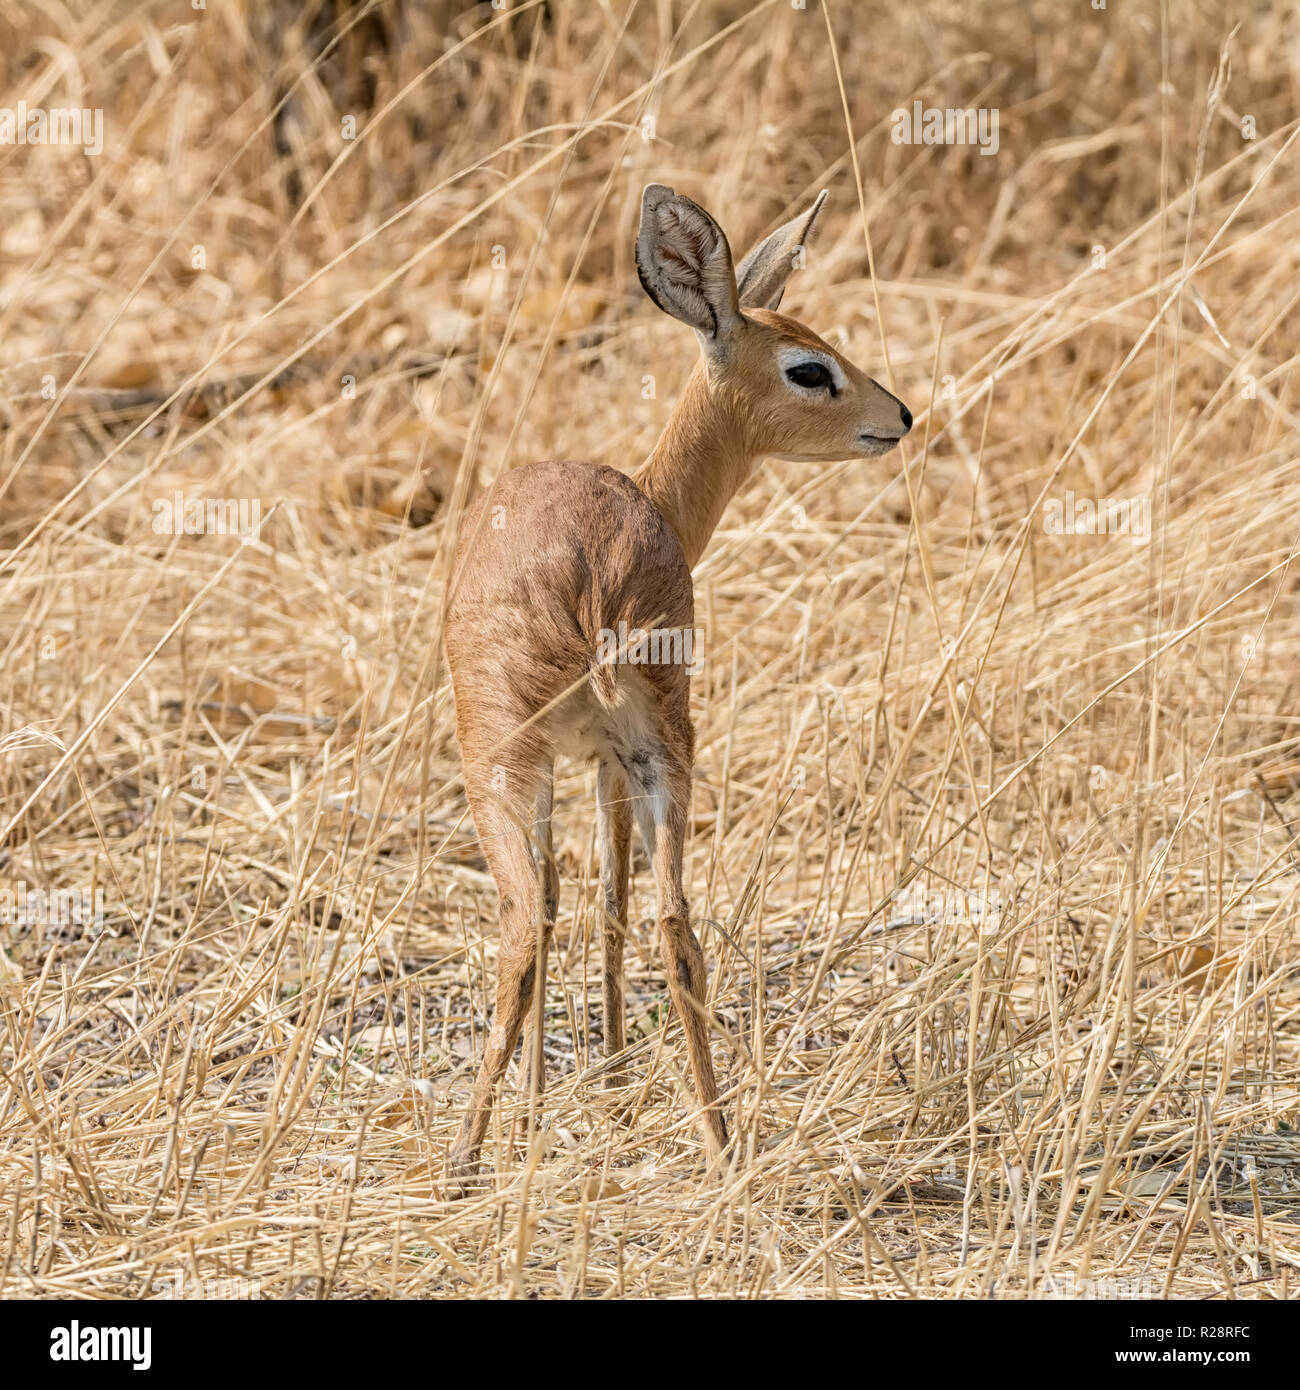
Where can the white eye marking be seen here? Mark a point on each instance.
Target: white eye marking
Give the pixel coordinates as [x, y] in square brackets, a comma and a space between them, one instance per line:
[797, 357]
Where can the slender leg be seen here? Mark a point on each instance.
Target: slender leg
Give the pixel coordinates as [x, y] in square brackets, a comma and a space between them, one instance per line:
[662, 815]
[532, 1061]
[614, 836]
[503, 818]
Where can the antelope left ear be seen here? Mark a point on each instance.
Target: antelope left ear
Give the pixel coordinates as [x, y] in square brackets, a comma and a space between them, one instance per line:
[763, 273]
[684, 263]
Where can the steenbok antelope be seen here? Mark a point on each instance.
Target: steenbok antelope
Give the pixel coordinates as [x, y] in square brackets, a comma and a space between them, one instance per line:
[561, 555]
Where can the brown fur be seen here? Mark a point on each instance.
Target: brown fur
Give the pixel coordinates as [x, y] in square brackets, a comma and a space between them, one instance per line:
[734, 412]
[568, 550]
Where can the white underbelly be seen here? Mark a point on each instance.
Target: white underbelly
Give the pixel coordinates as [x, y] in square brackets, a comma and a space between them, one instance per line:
[582, 728]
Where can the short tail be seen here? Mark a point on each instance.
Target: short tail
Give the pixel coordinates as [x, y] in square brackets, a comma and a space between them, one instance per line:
[604, 685]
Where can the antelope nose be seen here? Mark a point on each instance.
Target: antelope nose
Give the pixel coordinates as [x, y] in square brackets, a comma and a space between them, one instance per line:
[906, 416]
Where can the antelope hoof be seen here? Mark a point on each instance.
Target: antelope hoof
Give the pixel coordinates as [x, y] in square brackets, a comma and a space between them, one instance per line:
[462, 1176]
[717, 1140]
[622, 1109]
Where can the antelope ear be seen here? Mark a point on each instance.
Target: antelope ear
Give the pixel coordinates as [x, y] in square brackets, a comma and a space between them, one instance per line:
[684, 263]
[763, 273]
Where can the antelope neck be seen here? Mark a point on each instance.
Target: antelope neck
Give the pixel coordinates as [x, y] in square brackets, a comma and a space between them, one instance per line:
[700, 462]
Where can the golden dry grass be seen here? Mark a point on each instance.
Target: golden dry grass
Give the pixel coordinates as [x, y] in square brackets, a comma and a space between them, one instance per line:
[992, 843]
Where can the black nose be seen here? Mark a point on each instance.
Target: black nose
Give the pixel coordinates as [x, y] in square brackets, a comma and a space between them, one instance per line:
[907, 417]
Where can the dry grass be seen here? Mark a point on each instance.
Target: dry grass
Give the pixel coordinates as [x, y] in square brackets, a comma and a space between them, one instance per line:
[913, 691]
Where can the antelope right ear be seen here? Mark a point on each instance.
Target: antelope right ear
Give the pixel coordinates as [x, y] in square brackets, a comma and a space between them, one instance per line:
[763, 273]
[684, 263]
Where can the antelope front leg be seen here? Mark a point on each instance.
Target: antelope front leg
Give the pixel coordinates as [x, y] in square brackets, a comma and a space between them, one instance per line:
[614, 836]
[532, 1062]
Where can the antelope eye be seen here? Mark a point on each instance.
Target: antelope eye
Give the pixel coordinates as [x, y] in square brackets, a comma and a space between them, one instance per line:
[814, 375]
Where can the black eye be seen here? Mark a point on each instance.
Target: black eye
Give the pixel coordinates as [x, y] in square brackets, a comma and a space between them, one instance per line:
[814, 375]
